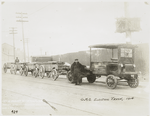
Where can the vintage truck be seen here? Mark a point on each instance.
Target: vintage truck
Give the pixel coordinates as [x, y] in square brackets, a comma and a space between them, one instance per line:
[120, 67]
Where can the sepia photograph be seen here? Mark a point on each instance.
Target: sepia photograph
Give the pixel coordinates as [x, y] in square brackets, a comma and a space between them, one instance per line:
[75, 57]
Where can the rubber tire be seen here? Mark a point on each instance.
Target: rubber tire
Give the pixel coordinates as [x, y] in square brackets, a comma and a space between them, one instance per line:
[5, 68]
[21, 71]
[114, 79]
[133, 85]
[35, 73]
[54, 74]
[26, 71]
[91, 78]
[11, 69]
[15, 69]
[42, 74]
[69, 76]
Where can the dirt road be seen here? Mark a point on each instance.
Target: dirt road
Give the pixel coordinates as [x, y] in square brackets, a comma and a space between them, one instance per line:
[26, 95]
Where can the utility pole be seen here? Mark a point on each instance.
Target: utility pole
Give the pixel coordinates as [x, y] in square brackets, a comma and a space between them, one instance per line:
[12, 31]
[127, 24]
[27, 41]
[21, 20]
[127, 15]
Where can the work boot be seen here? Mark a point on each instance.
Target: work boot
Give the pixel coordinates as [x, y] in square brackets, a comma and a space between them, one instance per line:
[75, 83]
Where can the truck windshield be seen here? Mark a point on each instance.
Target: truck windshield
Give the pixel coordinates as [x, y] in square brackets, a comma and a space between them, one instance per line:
[126, 52]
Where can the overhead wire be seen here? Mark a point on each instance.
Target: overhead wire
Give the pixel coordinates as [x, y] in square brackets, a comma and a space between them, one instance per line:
[9, 18]
[41, 8]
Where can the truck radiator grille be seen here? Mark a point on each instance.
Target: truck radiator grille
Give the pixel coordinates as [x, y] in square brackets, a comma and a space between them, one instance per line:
[129, 68]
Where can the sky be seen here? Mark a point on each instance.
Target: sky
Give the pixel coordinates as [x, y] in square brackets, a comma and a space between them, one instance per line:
[63, 27]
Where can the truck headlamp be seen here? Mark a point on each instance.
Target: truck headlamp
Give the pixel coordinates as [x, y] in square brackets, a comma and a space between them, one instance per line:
[134, 65]
[121, 65]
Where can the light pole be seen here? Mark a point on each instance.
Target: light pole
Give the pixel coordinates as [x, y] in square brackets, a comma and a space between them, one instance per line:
[13, 32]
[21, 20]
[127, 15]
[127, 25]
[27, 41]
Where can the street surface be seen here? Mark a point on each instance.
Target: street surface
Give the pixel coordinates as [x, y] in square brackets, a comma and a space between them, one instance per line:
[26, 95]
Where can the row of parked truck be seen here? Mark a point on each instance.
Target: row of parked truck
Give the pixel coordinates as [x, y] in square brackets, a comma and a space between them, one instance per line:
[120, 67]
[51, 69]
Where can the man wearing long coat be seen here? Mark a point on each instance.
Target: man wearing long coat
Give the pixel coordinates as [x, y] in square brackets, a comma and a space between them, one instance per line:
[76, 69]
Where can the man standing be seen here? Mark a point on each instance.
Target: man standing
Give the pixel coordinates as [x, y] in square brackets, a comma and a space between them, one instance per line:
[16, 60]
[76, 71]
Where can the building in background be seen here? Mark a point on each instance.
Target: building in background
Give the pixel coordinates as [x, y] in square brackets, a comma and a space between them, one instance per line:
[8, 54]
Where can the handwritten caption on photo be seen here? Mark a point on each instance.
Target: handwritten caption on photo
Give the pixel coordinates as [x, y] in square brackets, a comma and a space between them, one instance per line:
[107, 99]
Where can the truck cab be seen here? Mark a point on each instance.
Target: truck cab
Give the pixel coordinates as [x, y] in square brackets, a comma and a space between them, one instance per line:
[120, 66]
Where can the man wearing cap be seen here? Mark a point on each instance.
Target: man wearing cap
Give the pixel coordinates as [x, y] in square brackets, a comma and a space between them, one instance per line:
[76, 68]
[16, 60]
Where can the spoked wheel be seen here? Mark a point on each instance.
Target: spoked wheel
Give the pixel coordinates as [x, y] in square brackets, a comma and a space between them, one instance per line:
[35, 72]
[21, 71]
[133, 83]
[111, 82]
[25, 71]
[42, 71]
[15, 69]
[5, 68]
[11, 69]
[69, 76]
[54, 74]
[91, 78]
